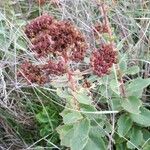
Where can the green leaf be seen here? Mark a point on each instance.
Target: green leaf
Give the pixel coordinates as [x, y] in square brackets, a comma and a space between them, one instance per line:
[135, 88]
[42, 117]
[88, 108]
[147, 146]
[95, 142]
[132, 70]
[20, 44]
[39, 148]
[132, 104]
[146, 134]
[114, 85]
[70, 116]
[121, 146]
[143, 118]
[124, 124]
[82, 97]
[66, 133]
[45, 129]
[116, 103]
[80, 137]
[99, 129]
[123, 65]
[136, 138]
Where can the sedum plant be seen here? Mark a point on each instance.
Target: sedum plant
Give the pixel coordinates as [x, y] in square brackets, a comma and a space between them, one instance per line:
[102, 109]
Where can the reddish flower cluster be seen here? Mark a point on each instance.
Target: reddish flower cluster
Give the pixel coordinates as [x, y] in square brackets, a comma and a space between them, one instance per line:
[60, 39]
[38, 25]
[39, 73]
[51, 36]
[103, 59]
[32, 73]
[54, 68]
[99, 29]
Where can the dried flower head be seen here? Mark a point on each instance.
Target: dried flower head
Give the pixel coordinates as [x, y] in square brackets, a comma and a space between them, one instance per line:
[57, 39]
[32, 73]
[38, 25]
[100, 28]
[51, 36]
[53, 68]
[103, 59]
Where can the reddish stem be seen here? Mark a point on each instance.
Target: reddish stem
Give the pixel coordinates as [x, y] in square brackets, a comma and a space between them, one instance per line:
[69, 72]
[103, 10]
[70, 79]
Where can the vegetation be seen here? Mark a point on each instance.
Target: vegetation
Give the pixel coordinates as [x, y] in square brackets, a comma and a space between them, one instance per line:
[74, 74]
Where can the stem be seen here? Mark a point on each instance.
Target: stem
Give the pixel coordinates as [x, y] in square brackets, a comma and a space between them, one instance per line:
[69, 72]
[71, 80]
[103, 10]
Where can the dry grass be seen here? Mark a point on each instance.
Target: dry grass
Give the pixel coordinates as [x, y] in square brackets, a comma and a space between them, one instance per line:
[131, 23]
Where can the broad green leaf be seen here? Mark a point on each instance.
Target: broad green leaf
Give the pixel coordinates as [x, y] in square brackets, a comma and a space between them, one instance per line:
[88, 108]
[132, 70]
[135, 88]
[70, 116]
[66, 133]
[105, 92]
[124, 124]
[136, 138]
[132, 104]
[116, 103]
[146, 134]
[80, 137]
[119, 140]
[99, 129]
[143, 118]
[82, 97]
[95, 142]
[114, 85]
[121, 146]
